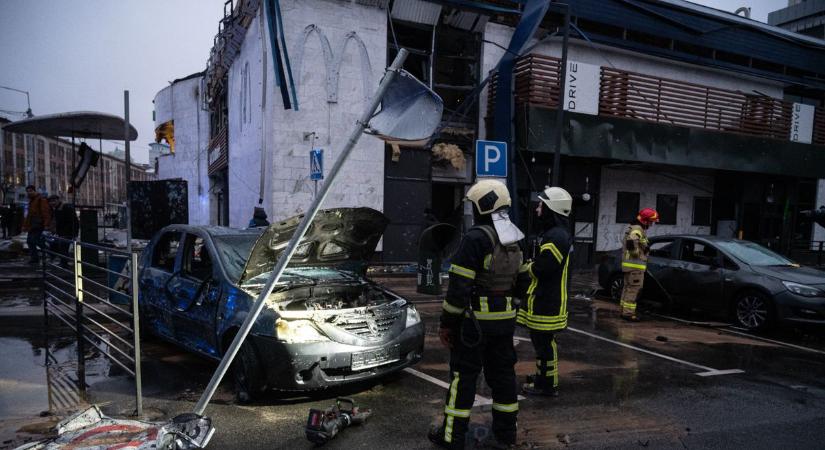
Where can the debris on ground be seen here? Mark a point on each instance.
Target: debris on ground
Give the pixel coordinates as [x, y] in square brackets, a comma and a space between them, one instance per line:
[563, 438]
[451, 153]
[91, 429]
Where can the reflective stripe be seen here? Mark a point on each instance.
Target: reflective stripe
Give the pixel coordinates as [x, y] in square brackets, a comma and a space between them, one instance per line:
[463, 271]
[498, 315]
[505, 407]
[563, 308]
[488, 261]
[457, 412]
[509, 303]
[446, 306]
[634, 265]
[628, 305]
[448, 427]
[543, 319]
[553, 249]
[637, 233]
[482, 302]
[534, 281]
[524, 267]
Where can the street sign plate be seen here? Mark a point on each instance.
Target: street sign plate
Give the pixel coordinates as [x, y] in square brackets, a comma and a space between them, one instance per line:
[491, 159]
[316, 164]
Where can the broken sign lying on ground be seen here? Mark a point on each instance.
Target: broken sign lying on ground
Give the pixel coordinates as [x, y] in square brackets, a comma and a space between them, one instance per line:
[91, 430]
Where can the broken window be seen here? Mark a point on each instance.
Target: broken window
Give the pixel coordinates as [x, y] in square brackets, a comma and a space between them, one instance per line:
[197, 261]
[627, 206]
[166, 250]
[666, 205]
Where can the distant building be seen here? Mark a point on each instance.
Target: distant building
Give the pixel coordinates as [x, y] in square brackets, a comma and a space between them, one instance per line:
[801, 16]
[47, 163]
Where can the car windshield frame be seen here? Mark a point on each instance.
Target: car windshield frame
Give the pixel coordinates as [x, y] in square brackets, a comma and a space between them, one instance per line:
[746, 251]
[233, 251]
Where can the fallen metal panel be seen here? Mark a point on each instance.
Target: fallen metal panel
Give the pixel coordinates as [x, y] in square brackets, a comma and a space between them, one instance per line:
[639, 141]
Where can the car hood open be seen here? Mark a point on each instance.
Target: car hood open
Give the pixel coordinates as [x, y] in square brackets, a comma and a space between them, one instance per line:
[344, 238]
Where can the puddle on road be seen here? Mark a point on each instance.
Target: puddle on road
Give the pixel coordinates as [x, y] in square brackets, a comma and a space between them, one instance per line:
[39, 382]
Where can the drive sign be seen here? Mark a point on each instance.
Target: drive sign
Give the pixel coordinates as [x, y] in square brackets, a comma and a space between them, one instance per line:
[491, 159]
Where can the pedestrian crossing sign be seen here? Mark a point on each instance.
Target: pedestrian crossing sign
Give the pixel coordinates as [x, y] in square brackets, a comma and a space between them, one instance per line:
[316, 164]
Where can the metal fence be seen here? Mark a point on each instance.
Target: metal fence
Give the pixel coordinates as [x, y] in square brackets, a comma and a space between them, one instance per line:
[93, 290]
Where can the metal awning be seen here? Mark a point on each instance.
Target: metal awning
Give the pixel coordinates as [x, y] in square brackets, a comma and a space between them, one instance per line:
[79, 124]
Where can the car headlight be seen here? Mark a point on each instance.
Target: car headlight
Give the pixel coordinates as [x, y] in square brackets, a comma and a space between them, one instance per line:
[803, 290]
[413, 318]
[298, 331]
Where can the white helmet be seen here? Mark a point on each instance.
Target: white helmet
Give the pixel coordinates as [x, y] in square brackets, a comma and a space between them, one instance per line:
[488, 196]
[557, 199]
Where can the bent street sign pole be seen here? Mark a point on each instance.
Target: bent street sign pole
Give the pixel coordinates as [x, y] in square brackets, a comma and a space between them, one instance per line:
[299, 233]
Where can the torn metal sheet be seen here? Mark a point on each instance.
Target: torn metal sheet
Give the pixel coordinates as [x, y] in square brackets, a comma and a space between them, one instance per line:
[92, 430]
[410, 111]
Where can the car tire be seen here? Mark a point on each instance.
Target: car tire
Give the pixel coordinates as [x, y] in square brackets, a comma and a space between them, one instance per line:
[615, 287]
[248, 374]
[753, 310]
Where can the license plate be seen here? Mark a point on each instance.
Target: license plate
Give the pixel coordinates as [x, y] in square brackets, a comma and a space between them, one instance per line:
[374, 358]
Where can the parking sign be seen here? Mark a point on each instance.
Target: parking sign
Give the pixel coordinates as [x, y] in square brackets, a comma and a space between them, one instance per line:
[491, 159]
[316, 164]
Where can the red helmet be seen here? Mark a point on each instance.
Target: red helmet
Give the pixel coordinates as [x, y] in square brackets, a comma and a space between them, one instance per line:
[648, 216]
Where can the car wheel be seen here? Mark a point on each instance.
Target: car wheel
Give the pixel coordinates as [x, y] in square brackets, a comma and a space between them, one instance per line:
[753, 310]
[616, 286]
[248, 374]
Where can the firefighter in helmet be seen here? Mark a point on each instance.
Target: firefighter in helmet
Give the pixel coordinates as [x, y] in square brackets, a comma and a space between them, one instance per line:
[478, 318]
[634, 260]
[544, 311]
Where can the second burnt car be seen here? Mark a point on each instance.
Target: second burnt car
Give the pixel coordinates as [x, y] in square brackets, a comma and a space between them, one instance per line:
[324, 324]
[742, 280]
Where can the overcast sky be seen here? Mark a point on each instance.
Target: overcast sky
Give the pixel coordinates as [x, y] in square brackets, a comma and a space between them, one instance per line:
[81, 54]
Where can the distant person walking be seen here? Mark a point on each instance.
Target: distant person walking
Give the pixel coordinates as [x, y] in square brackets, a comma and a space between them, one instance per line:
[38, 219]
[6, 215]
[64, 225]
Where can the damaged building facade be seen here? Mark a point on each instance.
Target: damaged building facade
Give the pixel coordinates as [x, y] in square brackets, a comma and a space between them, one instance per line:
[713, 119]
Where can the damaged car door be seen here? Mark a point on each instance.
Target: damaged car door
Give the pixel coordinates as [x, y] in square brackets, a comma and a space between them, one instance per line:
[194, 296]
[154, 281]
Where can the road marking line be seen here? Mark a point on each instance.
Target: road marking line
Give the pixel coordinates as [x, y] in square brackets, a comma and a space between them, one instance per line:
[733, 330]
[479, 400]
[706, 371]
[714, 373]
[786, 344]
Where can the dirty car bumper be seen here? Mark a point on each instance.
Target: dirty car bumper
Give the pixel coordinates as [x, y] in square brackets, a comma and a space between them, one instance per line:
[318, 365]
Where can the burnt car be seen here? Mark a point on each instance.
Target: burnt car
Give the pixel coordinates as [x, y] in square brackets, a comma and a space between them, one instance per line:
[324, 324]
[741, 280]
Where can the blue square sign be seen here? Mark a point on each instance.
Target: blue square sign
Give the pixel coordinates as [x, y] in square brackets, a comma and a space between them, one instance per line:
[491, 159]
[316, 164]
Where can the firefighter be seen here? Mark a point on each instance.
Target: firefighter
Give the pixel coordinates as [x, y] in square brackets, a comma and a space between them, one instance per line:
[478, 318]
[544, 311]
[634, 260]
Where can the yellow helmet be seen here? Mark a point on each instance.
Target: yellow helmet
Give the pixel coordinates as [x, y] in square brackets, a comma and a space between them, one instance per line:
[488, 195]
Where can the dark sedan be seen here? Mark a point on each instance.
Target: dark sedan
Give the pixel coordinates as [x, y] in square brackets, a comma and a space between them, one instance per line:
[742, 280]
[323, 325]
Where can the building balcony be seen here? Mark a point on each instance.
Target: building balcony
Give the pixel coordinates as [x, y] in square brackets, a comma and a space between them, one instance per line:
[652, 119]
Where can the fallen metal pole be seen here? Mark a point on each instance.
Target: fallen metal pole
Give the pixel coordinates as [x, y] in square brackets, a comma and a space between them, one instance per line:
[299, 234]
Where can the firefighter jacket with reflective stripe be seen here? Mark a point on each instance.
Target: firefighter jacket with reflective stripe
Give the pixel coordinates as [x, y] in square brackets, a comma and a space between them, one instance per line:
[482, 277]
[635, 249]
[545, 304]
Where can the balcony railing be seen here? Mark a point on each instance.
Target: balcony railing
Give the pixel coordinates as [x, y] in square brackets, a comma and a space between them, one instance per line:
[643, 97]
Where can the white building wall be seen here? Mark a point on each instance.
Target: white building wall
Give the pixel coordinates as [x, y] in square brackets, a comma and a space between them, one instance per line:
[623, 60]
[280, 133]
[818, 231]
[648, 185]
[181, 102]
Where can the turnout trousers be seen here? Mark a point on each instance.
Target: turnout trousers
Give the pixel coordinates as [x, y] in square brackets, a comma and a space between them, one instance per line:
[632, 286]
[547, 360]
[497, 357]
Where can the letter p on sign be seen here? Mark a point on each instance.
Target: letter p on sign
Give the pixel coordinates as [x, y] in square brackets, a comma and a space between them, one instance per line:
[491, 159]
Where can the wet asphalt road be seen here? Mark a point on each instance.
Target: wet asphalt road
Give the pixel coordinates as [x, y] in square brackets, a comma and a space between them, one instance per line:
[623, 385]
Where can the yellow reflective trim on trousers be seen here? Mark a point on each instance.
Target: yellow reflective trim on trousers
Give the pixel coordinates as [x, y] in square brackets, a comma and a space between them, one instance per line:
[498, 315]
[464, 413]
[448, 427]
[463, 271]
[446, 306]
[543, 319]
[634, 265]
[482, 303]
[553, 249]
[505, 407]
